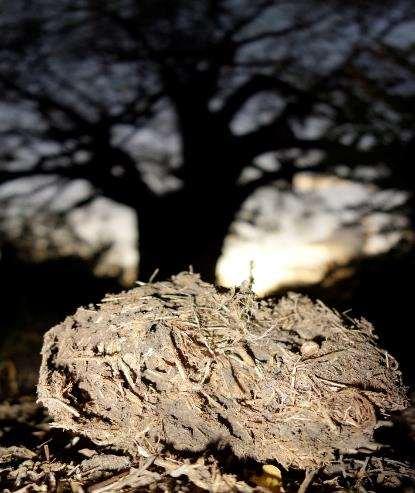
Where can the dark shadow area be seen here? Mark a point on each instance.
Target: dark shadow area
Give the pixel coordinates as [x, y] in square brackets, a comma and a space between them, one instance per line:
[37, 296]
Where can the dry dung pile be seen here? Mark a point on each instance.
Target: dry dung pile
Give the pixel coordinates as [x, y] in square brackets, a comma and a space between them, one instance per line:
[182, 365]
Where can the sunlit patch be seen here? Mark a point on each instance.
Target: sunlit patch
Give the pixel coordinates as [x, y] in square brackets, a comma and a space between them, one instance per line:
[292, 238]
[92, 227]
[273, 266]
[270, 479]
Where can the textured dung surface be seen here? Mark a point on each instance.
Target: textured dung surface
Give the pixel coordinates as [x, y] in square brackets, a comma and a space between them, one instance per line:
[182, 364]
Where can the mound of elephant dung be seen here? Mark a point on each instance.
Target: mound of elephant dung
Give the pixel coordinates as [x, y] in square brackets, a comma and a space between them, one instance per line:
[183, 365]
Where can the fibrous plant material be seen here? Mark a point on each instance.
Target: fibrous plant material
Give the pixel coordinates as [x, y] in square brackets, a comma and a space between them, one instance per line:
[181, 365]
[56, 461]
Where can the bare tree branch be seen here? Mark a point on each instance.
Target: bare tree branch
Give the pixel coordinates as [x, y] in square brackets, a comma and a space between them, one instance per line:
[247, 19]
[45, 102]
[256, 84]
[297, 26]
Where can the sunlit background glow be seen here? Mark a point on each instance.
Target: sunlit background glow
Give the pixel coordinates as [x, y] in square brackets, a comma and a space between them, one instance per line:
[295, 237]
[281, 237]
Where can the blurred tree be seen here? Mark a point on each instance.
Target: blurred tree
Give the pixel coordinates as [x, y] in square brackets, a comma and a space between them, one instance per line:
[327, 85]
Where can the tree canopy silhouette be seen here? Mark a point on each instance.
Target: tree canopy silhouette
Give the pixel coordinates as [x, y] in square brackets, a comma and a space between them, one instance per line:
[224, 82]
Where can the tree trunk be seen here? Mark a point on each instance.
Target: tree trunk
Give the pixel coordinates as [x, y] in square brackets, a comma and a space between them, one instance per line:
[185, 229]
